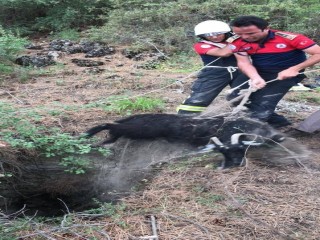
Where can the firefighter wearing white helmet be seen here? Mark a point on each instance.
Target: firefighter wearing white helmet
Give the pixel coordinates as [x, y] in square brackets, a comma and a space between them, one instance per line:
[220, 66]
[211, 28]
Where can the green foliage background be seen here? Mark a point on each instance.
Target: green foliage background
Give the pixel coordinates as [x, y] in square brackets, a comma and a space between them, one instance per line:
[166, 23]
[48, 15]
[170, 23]
[140, 19]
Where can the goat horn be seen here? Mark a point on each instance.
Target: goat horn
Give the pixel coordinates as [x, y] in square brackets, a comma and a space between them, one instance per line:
[216, 141]
[235, 138]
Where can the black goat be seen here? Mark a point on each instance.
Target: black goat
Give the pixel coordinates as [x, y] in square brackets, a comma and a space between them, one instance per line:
[196, 131]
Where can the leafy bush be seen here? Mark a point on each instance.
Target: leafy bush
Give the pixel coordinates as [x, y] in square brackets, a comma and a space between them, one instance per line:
[53, 15]
[10, 44]
[18, 130]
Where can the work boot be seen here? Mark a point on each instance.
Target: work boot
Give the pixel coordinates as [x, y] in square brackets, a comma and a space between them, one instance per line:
[278, 121]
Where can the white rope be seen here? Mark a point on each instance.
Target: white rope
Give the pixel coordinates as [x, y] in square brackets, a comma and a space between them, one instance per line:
[230, 69]
[245, 97]
[177, 82]
[235, 88]
[205, 66]
[247, 92]
[248, 81]
[180, 82]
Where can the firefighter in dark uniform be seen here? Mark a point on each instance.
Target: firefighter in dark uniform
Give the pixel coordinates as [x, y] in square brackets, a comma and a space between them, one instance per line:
[220, 66]
[264, 54]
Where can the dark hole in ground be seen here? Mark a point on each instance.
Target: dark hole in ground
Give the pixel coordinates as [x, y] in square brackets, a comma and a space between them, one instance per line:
[42, 187]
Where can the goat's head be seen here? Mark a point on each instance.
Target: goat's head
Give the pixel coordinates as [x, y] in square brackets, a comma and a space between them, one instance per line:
[234, 152]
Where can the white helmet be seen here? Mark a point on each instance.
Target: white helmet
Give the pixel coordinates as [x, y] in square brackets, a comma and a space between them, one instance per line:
[211, 28]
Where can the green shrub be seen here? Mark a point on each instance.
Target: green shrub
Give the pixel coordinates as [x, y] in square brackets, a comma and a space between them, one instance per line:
[10, 44]
[163, 22]
[18, 129]
[6, 69]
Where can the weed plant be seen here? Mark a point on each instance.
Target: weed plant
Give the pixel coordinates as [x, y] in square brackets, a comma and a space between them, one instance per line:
[310, 97]
[127, 105]
[6, 69]
[181, 63]
[209, 199]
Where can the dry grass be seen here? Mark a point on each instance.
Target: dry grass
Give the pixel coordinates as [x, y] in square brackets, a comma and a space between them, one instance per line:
[196, 202]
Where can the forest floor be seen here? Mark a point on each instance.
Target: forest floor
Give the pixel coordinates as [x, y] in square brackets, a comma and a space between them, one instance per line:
[189, 199]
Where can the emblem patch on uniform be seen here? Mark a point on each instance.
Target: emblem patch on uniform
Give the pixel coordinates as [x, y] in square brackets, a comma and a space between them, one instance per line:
[205, 46]
[281, 45]
[232, 47]
[303, 42]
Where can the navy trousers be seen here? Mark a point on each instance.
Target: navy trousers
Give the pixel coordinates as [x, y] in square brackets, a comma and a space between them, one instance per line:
[209, 84]
[263, 102]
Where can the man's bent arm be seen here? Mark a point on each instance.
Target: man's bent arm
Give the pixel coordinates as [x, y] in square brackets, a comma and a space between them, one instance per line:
[220, 52]
[248, 69]
[293, 71]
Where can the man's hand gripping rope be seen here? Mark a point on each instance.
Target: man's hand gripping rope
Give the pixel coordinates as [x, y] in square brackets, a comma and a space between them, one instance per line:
[244, 95]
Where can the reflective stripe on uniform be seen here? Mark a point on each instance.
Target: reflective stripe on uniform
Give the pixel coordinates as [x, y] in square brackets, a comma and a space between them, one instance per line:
[191, 108]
